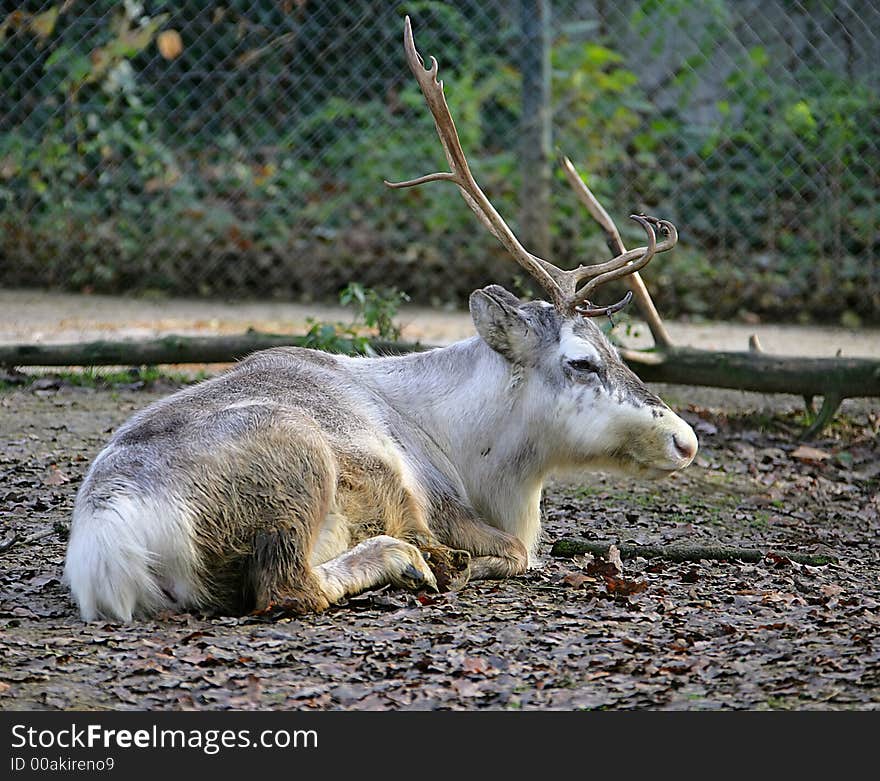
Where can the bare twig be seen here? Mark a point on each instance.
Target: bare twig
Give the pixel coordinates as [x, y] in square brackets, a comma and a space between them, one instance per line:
[17, 539]
[830, 404]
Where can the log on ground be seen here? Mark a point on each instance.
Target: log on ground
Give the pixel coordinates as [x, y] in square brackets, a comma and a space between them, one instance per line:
[568, 547]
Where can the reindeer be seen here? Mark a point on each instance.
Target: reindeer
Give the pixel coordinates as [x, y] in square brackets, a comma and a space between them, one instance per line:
[297, 478]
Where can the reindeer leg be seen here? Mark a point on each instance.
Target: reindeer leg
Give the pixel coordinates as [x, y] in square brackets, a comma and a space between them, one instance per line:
[451, 567]
[379, 491]
[510, 558]
[282, 581]
[374, 562]
[494, 553]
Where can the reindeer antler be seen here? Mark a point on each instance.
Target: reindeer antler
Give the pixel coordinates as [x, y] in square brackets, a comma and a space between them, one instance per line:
[565, 288]
[615, 243]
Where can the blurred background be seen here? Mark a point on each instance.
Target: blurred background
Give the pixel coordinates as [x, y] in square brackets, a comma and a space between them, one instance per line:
[237, 150]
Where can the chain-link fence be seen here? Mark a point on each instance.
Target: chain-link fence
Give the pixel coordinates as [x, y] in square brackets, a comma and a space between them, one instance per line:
[238, 148]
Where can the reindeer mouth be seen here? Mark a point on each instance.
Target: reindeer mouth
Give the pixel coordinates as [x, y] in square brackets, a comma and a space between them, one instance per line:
[649, 471]
[625, 465]
[652, 465]
[656, 471]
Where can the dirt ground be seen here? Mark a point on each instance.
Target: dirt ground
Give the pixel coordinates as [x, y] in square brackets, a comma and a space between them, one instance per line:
[698, 635]
[695, 635]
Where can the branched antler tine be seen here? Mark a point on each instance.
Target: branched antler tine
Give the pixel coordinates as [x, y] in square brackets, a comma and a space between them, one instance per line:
[542, 271]
[588, 310]
[440, 176]
[620, 266]
[624, 260]
[615, 244]
[671, 234]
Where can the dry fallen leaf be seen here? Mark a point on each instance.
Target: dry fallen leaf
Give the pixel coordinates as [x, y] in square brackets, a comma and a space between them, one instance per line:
[170, 44]
[777, 560]
[55, 477]
[608, 565]
[467, 689]
[577, 579]
[474, 665]
[613, 556]
[704, 427]
[624, 587]
[810, 454]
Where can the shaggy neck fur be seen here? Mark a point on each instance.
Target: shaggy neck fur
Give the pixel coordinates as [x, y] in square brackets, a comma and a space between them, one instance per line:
[482, 417]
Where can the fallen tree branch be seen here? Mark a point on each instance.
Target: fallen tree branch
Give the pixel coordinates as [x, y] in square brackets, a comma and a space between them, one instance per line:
[168, 349]
[751, 371]
[755, 371]
[569, 546]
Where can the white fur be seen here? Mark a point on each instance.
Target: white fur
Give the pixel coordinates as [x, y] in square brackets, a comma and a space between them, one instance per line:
[573, 347]
[333, 538]
[373, 562]
[465, 411]
[594, 422]
[463, 422]
[131, 555]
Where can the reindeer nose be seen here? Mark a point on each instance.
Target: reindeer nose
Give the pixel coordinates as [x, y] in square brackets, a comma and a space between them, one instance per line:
[685, 446]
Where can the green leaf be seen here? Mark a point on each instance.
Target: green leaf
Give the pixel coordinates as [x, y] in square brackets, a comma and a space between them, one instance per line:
[600, 55]
[800, 118]
[42, 25]
[758, 57]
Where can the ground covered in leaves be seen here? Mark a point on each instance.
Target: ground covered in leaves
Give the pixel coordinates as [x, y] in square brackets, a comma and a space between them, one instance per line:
[570, 634]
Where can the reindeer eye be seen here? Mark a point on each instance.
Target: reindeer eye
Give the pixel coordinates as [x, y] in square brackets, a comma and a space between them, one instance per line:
[584, 365]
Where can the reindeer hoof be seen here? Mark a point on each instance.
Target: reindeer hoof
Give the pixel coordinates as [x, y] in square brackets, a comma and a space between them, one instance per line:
[414, 579]
[283, 608]
[461, 559]
[451, 567]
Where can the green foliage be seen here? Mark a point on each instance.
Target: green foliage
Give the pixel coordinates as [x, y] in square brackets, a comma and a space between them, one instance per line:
[376, 309]
[597, 104]
[373, 318]
[775, 196]
[336, 338]
[102, 378]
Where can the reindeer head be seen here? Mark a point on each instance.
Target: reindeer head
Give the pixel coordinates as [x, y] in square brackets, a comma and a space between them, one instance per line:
[592, 406]
[574, 386]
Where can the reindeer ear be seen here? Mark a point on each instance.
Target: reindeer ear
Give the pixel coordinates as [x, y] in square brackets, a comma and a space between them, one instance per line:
[499, 321]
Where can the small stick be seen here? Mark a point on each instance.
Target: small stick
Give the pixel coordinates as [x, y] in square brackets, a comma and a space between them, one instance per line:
[15, 539]
[568, 547]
